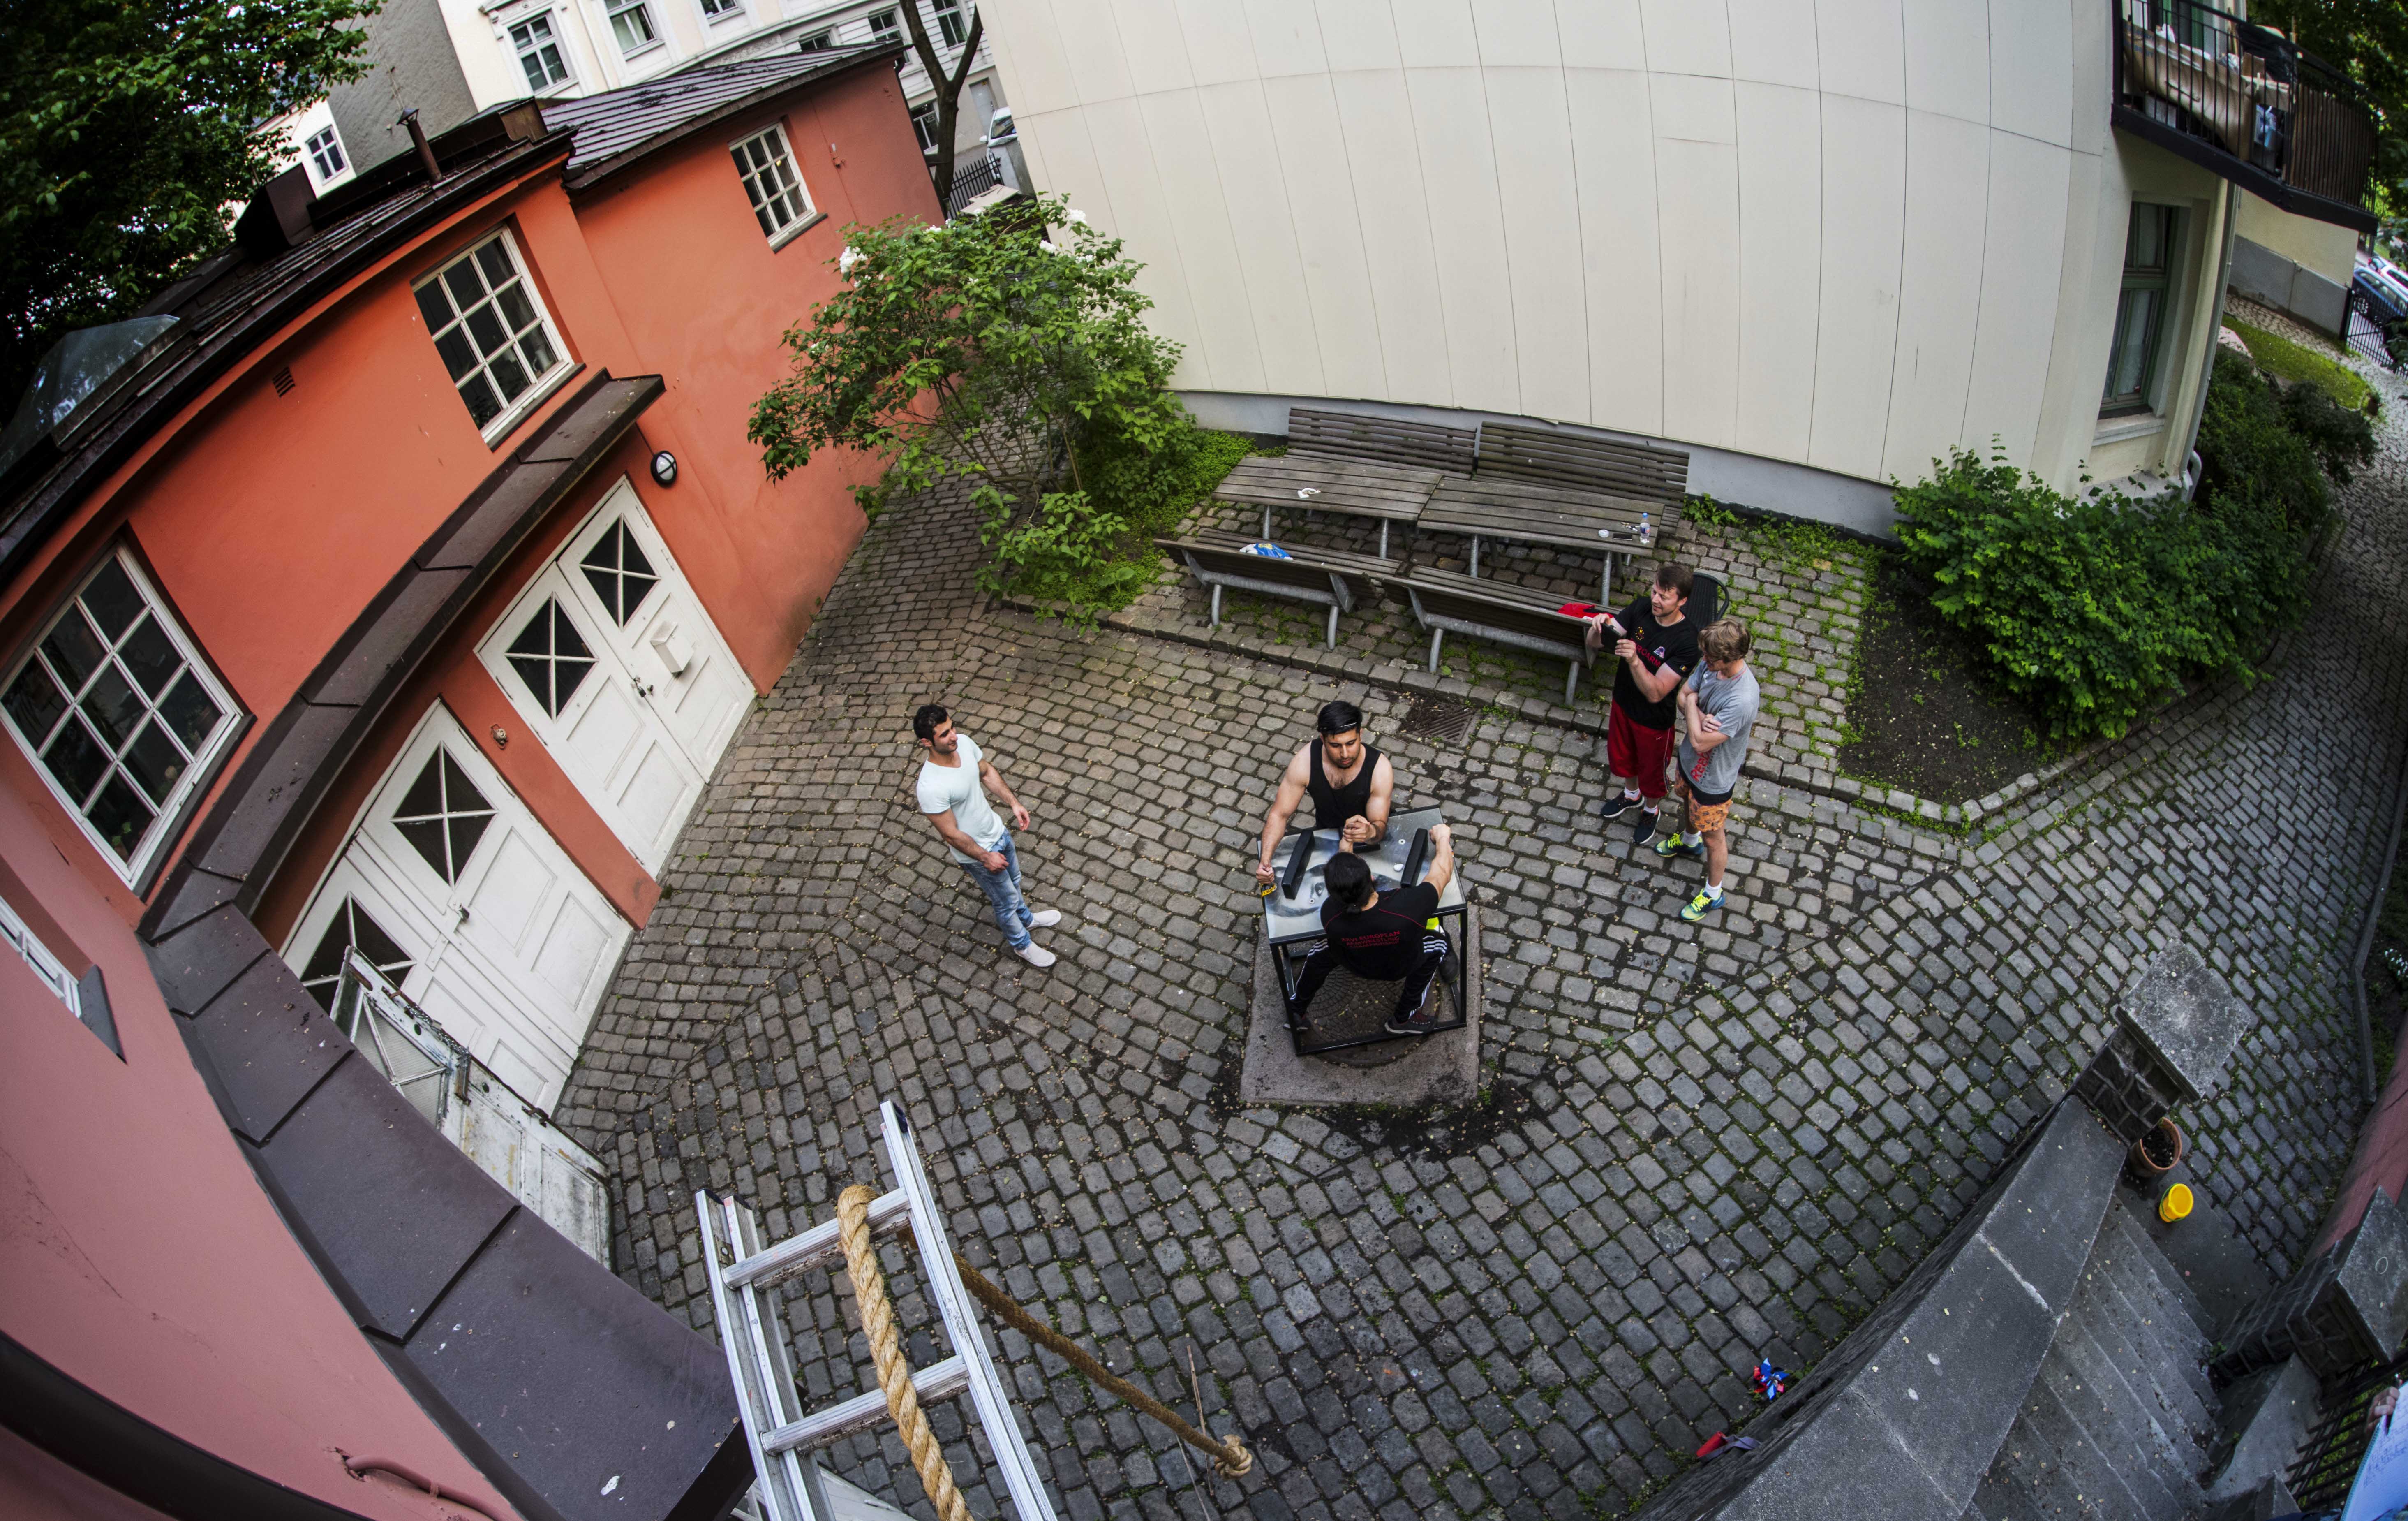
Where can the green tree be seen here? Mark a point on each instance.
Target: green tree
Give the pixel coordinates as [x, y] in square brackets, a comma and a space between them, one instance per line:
[127, 127]
[982, 350]
[2368, 40]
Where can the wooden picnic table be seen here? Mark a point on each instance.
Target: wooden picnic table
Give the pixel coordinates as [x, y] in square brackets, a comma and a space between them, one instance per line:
[1327, 483]
[1527, 512]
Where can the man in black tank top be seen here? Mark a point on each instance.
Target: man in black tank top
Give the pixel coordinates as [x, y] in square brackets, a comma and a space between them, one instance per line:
[1352, 785]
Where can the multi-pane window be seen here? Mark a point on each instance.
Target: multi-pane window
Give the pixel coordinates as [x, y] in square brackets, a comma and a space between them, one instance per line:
[817, 42]
[352, 929]
[490, 328]
[118, 710]
[631, 23]
[619, 572]
[443, 815]
[950, 23]
[538, 53]
[886, 26]
[326, 152]
[766, 166]
[924, 121]
[551, 658]
[47, 967]
[2141, 311]
[721, 9]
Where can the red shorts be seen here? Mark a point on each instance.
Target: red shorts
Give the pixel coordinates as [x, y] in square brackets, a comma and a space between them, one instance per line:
[1634, 749]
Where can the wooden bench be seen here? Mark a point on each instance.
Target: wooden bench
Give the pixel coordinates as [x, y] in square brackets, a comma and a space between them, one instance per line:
[1361, 467]
[1538, 486]
[1331, 578]
[1447, 603]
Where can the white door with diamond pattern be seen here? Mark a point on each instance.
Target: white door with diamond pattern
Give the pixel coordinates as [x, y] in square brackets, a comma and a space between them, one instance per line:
[611, 659]
[449, 887]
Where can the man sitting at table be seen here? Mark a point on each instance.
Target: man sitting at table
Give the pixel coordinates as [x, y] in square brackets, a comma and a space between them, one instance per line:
[1353, 787]
[1656, 647]
[1382, 936]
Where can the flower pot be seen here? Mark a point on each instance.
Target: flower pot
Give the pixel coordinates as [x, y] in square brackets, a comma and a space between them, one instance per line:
[2155, 1154]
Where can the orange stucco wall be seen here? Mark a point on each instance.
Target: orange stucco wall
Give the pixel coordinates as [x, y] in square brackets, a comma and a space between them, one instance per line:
[271, 521]
[138, 1252]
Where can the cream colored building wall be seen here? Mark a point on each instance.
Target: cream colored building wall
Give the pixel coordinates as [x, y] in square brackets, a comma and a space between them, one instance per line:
[2160, 442]
[2329, 249]
[1846, 234]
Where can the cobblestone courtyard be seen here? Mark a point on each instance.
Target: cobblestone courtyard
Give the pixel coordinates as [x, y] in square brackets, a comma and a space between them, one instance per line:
[1696, 1145]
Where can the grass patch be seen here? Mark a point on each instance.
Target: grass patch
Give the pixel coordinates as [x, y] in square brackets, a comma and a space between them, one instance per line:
[2296, 361]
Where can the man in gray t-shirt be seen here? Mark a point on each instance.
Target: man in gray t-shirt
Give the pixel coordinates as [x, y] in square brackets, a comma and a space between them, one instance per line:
[1716, 709]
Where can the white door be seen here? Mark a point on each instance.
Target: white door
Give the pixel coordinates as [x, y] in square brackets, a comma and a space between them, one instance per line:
[609, 658]
[450, 888]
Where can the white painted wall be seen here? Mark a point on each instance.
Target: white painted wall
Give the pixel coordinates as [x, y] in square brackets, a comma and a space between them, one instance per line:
[1844, 235]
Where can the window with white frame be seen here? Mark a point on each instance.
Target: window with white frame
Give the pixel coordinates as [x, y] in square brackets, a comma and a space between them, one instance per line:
[49, 968]
[325, 151]
[120, 713]
[631, 23]
[718, 10]
[538, 53]
[885, 27]
[766, 165]
[952, 24]
[2133, 352]
[817, 42]
[491, 330]
[924, 121]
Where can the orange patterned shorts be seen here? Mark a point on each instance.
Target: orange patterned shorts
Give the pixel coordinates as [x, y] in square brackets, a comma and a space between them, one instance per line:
[1700, 817]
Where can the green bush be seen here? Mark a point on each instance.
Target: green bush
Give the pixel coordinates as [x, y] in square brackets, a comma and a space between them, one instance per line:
[1087, 552]
[2342, 439]
[2247, 443]
[2296, 363]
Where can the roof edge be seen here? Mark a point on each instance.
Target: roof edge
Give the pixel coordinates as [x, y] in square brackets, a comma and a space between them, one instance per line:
[584, 179]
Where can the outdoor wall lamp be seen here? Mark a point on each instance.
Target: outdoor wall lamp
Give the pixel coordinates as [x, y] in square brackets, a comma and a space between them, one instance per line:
[665, 468]
[501, 738]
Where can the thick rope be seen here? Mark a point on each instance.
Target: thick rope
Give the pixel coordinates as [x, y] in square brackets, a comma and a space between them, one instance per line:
[886, 1349]
[1229, 1456]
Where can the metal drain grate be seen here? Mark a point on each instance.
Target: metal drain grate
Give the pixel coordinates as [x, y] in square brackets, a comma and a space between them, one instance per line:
[1437, 719]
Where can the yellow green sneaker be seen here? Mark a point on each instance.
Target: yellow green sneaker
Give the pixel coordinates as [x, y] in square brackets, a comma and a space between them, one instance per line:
[1704, 904]
[1687, 846]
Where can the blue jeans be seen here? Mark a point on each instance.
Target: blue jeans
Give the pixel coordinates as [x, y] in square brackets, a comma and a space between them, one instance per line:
[1002, 890]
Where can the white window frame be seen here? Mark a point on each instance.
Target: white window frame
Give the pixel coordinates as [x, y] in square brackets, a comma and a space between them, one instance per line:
[563, 363]
[728, 10]
[952, 22]
[820, 41]
[785, 148]
[320, 143]
[888, 34]
[557, 40]
[923, 126]
[168, 825]
[612, 9]
[49, 968]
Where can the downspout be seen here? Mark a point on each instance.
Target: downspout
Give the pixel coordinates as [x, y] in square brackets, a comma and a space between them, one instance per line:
[2190, 459]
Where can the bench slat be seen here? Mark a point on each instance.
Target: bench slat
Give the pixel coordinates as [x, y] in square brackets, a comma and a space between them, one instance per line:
[1514, 609]
[1529, 513]
[1312, 431]
[1224, 541]
[1596, 465]
[1358, 488]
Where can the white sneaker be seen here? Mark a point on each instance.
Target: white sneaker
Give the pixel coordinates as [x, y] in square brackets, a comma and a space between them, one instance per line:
[1034, 953]
[1044, 918]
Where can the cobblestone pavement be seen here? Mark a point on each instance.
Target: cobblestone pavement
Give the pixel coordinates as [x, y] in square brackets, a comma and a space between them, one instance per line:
[1696, 1145]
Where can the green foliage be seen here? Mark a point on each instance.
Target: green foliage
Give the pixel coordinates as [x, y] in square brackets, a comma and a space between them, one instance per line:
[2279, 357]
[983, 351]
[2341, 439]
[2249, 439]
[2366, 40]
[2093, 607]
[126, 128]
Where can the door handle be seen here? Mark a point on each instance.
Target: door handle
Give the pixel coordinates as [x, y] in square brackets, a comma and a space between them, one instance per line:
[463, 915]
[642, 688]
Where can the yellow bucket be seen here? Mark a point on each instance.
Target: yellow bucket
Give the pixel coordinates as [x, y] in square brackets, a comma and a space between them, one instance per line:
[2174, 1202]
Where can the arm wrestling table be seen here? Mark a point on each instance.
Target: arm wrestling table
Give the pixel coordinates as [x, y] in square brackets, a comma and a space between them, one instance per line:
[1292, 924]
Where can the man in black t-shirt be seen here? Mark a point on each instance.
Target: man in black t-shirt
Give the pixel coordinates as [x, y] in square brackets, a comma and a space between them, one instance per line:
[1381, 937]
[1656, 647]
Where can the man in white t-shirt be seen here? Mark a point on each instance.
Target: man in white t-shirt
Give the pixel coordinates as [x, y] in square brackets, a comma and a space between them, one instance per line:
[954, 780]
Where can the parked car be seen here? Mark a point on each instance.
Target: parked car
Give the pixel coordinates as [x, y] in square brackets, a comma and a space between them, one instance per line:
[2379, 292]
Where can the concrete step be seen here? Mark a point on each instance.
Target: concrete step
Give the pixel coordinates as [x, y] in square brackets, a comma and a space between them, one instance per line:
[2119, 1420]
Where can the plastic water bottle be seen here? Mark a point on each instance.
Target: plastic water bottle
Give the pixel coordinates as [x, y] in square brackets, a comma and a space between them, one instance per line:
[1644, 532]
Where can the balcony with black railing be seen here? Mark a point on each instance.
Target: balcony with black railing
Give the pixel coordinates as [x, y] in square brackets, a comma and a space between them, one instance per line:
[2244, 101]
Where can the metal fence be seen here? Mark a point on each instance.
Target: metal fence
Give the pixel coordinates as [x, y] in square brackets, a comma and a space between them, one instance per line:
[2374, 332]
[2328, 1462]
[2248, 91]
[972, 177]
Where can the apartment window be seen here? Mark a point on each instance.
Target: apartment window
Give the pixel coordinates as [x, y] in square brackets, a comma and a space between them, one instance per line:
[491, 330]
[119, 712]
[766, 166]
[718, 10]
[631, 23]
[2141, 311]
[817, 42]
[51, 971]
[924, 121]
[326, 152]
[538, 53]
[885, 27]
[950, 23]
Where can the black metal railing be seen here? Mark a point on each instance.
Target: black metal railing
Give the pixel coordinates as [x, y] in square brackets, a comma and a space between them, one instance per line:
[972, 177]
[2328, 1462]
[2246, 91]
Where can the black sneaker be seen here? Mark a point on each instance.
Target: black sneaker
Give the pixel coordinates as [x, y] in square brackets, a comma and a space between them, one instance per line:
[1420, 1024]
[1643, 829]
[1617, 806]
